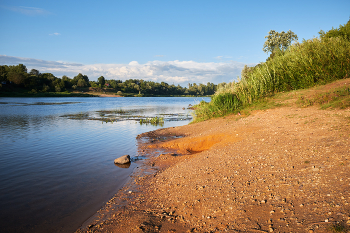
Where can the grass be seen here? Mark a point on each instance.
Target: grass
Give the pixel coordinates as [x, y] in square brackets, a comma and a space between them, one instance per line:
[339, 227]
[153, 121]
[338, 98]
[311, 63]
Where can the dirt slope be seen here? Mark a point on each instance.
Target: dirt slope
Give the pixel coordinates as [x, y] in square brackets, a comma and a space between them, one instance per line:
[280, 170]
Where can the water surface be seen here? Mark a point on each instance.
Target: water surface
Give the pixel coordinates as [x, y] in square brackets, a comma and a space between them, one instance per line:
[56, 171]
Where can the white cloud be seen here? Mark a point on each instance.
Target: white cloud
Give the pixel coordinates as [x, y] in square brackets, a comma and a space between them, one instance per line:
[55, 34]
[221, 57]
[31, 11]
[177, 72]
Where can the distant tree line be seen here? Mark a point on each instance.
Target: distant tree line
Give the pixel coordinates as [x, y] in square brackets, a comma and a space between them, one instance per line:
[34, 81]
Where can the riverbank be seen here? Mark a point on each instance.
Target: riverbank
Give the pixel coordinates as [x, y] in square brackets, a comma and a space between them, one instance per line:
[278, 170]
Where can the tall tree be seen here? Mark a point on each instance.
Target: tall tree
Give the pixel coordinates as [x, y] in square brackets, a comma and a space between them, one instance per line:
[17, 74]
[279, 40]
[83, 83]
[101, 81]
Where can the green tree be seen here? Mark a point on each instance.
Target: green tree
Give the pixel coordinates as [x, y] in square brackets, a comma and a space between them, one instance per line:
[278, 41]
[343, 31]
[84, 83]
[67, 81]
[34, 72]
[81, 83]
[3, 73]
[17, 74]
[101, 81]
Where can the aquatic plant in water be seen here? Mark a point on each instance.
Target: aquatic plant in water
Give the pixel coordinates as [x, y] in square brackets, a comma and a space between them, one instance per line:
[153, 121]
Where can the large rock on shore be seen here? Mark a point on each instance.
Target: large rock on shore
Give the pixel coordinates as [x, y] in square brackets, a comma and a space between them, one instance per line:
[123, 159]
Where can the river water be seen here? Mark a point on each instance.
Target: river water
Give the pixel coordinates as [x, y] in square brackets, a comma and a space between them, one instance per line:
[56, 155]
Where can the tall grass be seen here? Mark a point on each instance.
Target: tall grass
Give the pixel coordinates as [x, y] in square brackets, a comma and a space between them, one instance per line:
[303, 65]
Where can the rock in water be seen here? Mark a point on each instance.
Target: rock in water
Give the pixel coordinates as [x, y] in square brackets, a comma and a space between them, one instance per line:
[123, 159]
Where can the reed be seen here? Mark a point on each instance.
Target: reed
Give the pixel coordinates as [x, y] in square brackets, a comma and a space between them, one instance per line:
[303, 65]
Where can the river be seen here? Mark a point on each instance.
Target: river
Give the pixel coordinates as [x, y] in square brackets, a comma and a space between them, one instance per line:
[56, 155]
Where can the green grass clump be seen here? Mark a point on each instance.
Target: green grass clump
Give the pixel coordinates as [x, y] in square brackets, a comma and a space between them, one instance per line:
[303, 65]
[153, 121]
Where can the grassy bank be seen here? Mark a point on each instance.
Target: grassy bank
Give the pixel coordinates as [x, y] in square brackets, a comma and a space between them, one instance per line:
[303, 65]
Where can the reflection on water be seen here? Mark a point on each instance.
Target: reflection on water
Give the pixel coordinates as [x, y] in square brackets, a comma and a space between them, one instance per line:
[56, 172]
[126, 165]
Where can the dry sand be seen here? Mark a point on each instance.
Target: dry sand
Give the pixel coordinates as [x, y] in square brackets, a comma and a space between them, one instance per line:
[280, 170]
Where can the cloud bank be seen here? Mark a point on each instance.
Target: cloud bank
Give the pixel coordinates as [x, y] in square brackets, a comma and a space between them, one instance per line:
[177, 72]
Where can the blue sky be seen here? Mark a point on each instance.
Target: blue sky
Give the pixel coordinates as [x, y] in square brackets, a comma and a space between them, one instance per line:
[172, 41]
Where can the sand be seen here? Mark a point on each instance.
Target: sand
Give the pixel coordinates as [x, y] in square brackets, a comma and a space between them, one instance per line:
[280, 170]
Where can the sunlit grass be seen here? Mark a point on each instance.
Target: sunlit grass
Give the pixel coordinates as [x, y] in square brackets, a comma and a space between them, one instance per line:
[303, 65]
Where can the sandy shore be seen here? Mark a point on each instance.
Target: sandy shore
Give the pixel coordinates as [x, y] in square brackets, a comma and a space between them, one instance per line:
[107, 95]
[280, 170]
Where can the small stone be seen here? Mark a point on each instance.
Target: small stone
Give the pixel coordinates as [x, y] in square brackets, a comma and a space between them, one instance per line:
[326, 220]
[123, 159]
[270, 229]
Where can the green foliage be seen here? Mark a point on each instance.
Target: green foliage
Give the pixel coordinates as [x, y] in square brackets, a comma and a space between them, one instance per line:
[153, 121]
[302, 65]
[101, 81]
[47, 82]
[343, 31]
[16, 78]
[279, 40]
[57, 88]
[45, 88]
[81, 80]
[246, 71]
